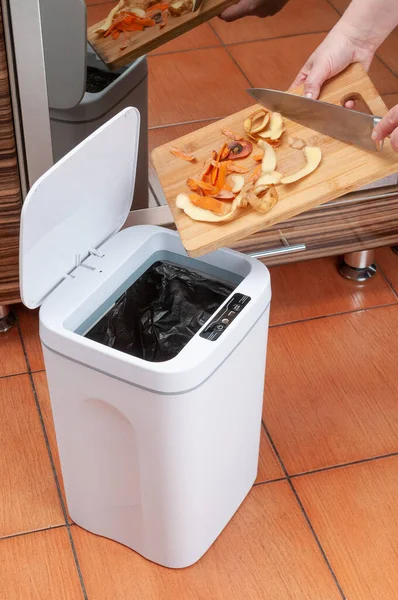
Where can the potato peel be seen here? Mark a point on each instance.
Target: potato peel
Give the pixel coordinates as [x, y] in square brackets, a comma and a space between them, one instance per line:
[276, 128]
[268, 164]
[265, 203]
[238, 183]
[313, 156]
[269, 179]
[296, 143]
[200, 214]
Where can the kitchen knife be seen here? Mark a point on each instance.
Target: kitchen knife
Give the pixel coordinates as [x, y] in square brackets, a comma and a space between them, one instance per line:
[344, 124]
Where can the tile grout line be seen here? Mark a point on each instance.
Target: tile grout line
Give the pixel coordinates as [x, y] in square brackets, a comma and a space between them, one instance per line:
[261, 483]
[332, 315]
[389, 283]
[304, 512]
[351, 463]
[230, 55]
[22, 533]
[60, 497]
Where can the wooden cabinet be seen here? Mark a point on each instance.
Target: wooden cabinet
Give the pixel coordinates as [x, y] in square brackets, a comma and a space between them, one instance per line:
[358, 221]
[10, 188]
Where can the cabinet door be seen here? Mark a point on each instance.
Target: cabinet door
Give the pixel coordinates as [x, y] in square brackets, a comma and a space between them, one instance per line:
[10, 189]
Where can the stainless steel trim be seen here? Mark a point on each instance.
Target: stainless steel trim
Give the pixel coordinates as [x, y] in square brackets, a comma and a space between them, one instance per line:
[32, 86]
[361, 196]
[278, 251]
[159, 215]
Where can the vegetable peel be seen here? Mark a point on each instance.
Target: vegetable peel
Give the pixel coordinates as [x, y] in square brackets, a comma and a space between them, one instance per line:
[313, 155]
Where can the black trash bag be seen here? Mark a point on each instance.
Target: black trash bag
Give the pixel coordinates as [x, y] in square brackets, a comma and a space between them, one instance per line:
[158, 315]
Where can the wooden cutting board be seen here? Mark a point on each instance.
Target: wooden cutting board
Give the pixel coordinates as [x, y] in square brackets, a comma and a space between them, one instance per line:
[344, 168]
[143, 42]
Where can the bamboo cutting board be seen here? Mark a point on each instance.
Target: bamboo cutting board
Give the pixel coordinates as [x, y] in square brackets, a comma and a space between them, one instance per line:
[143, 42]
[344, 168]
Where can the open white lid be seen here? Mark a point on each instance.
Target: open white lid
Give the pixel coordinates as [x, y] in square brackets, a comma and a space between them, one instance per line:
[76, 205]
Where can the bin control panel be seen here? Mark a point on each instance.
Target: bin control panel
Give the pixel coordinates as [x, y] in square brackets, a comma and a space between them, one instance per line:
[224, 318]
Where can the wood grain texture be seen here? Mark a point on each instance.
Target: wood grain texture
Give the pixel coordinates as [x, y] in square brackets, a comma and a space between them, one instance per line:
[343, 168]
[143, 42]
[29, 497]
[43, 396]
[354, 512]
[295, 288]
[359, 221]
[10, 191]
[266, 552]
[12, 359]
[331, 389]
[39, 566]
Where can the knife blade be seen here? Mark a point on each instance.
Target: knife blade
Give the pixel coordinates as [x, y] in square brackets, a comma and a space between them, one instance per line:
[346, 125]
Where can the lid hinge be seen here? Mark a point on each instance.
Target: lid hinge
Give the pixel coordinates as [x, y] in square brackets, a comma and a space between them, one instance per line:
[97, 253]
[80, 263]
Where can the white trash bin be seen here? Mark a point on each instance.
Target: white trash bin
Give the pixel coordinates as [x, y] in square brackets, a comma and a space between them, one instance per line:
[155, 455]
[76, 108]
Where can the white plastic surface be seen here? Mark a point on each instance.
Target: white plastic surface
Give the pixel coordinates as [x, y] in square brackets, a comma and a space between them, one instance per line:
[75, 300]
[160, 474]
[79, 203]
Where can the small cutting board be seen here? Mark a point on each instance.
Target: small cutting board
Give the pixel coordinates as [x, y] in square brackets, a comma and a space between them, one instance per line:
[344, 168]
[143, 42]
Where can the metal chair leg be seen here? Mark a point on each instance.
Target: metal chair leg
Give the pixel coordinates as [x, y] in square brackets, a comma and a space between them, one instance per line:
[7, 319]
[358, 266]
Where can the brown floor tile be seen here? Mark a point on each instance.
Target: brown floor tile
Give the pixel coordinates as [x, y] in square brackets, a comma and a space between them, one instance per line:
[384, 80]
[199, 37]
[388, 51]
[315, 288]
[275, 63]
[98, 12]
[388, 263]
[12, 359]
[390, 100]
[29, 497]
[164, 135]
[39, 566]
[40, 381]
[268, 464]
[29, 326]
[297, 17]
[267, 551]
[355, 513]
[340, 5]
[331, 389]
[200, 84]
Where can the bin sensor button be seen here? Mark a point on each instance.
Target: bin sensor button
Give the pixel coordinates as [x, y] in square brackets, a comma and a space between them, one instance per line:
[225, 317]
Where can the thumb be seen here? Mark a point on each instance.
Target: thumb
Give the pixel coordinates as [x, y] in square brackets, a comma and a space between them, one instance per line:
[386, 125]
[315, 79]
[236, 11]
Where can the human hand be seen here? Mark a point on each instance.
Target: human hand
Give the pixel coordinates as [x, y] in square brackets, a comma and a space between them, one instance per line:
[388, 127]
[344, 45]
[254, 8]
